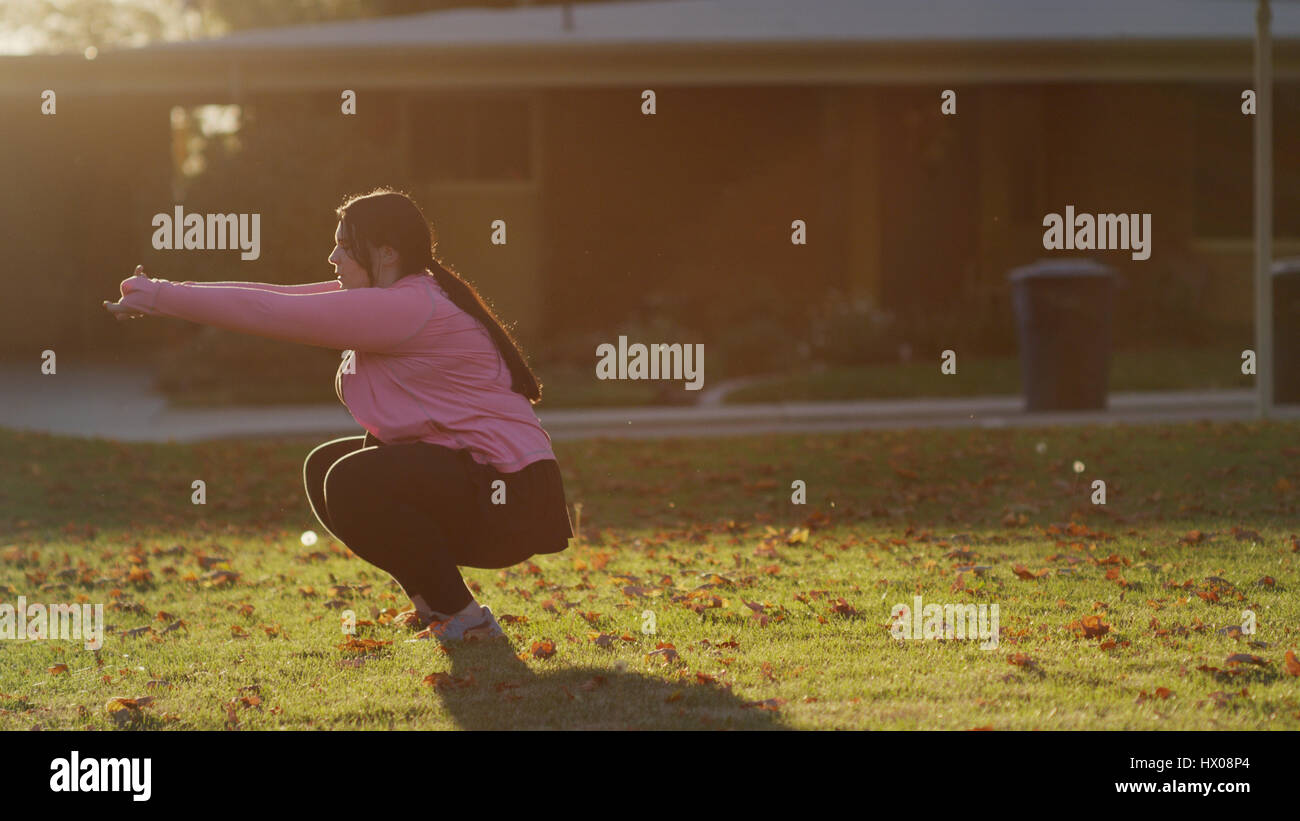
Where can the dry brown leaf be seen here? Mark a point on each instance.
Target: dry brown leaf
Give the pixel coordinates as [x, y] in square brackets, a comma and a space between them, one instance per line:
[1090, 627]
[446, 681]
[123, 711]
[1027, 574]
[356, 645]
[843, 608]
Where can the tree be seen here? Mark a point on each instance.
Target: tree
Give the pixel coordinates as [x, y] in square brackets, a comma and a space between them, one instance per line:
[75, 25]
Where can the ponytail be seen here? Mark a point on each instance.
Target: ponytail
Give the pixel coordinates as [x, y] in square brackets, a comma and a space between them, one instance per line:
[467, 298]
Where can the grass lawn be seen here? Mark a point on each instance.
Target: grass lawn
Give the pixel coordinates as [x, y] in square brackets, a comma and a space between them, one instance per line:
[1153, 370]
[766, 614]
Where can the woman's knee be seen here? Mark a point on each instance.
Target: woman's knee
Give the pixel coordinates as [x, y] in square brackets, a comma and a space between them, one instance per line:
[345, 489]
[323, 456]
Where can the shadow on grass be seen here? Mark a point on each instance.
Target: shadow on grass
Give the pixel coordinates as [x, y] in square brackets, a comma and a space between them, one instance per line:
[489, 688]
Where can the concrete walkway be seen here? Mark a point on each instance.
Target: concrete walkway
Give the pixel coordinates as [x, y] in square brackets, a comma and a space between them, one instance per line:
[115, 401]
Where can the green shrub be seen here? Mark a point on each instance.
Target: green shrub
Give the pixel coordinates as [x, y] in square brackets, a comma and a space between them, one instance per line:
[851, 332]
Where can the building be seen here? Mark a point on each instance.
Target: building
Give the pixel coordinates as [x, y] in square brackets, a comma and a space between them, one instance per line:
[826, 111]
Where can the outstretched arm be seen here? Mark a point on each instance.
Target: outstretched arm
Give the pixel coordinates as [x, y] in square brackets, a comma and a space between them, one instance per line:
[306, 288]
[363, 319]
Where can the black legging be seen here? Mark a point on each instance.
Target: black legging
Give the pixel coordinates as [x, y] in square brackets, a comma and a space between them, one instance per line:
[410, 509]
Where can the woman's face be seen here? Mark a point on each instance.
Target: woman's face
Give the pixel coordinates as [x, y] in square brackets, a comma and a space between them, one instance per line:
[349, 271]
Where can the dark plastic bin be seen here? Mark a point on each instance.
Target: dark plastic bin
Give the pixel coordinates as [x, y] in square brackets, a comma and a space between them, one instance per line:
[1063, 324]
[1286, 331]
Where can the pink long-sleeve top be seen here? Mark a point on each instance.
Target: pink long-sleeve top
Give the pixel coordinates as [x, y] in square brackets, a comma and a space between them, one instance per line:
[425, 370]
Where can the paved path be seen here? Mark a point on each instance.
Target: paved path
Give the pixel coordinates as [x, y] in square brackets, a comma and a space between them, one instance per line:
[115, 401]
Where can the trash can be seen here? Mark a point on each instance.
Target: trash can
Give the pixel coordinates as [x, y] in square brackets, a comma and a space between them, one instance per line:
[1286, 331]
[1063, 323]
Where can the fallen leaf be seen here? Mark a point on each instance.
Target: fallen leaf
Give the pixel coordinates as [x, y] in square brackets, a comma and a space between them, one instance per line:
[1022, 660]
[356, 645]
[1090, 627]
[446, 681]
[843, 608]
[123, 711]
[1025, 573]
[665, 652]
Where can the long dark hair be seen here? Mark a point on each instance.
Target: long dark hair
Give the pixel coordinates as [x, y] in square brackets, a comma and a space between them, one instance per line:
[387, 217]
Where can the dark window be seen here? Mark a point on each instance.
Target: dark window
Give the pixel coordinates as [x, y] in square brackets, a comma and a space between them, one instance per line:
[471, 140]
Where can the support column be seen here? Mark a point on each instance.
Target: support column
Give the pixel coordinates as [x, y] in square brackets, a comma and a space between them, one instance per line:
[1263, 211]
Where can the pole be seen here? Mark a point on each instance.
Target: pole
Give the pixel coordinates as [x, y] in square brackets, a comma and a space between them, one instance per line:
[1263, 211]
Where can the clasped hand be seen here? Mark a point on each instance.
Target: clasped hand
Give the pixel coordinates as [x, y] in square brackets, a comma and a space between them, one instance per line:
[122, 309]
